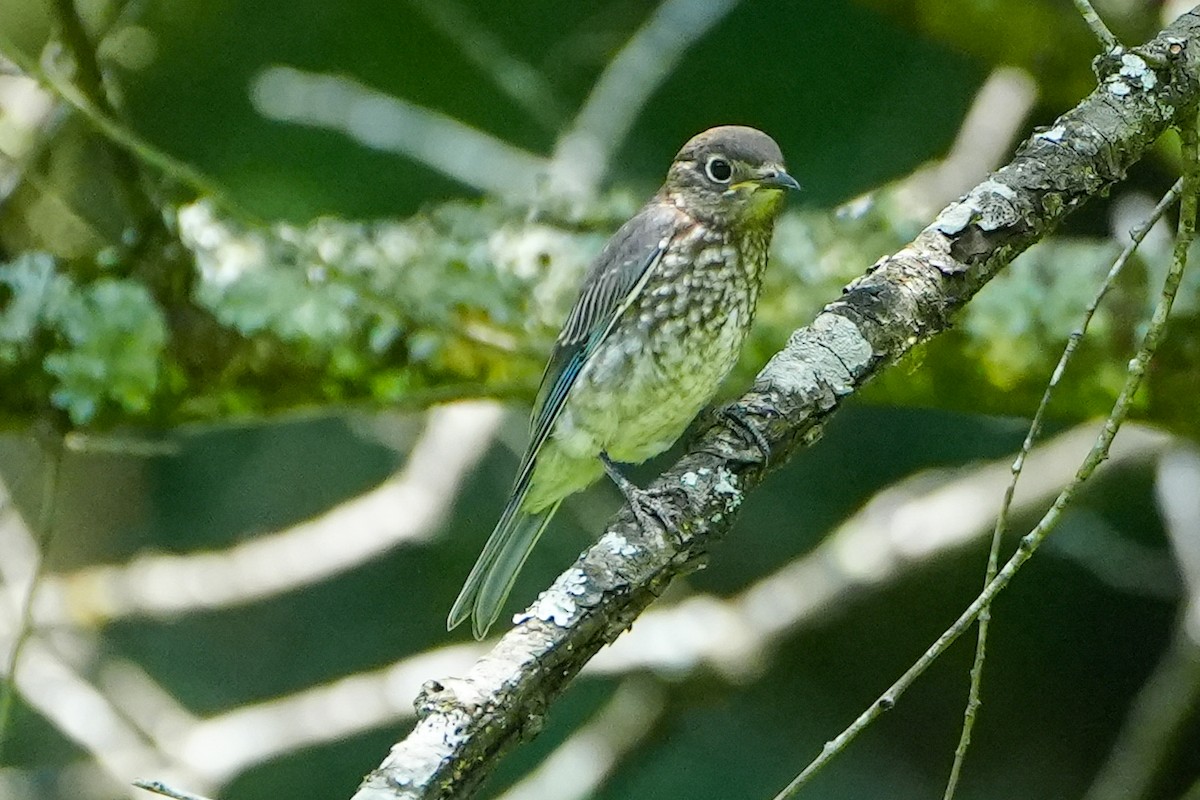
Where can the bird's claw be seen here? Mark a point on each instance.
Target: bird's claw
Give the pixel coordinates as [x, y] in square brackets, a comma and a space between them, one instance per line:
[654, 509]
[651, 508]
[739, 418]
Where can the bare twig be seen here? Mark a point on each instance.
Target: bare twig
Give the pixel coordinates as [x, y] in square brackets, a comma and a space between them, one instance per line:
[1031, 541]
[1107, 41]
[964, 741]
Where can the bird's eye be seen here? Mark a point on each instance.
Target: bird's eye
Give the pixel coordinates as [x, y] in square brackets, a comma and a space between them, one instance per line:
[718, 170]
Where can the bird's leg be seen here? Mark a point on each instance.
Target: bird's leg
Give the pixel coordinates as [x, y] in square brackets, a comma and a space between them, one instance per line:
[738, 417]
[649, 508]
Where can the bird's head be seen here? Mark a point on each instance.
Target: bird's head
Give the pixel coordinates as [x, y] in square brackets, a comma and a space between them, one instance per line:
[731, 173]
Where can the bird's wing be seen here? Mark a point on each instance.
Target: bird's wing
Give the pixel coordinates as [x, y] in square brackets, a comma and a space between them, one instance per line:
[615, 279]
[613, 282]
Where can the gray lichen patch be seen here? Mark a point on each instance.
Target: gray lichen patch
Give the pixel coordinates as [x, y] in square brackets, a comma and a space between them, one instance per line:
[560, 604]
[990, 206]
[822, 361]
[726, 487]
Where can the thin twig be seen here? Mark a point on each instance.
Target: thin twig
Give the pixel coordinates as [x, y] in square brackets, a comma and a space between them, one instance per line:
[45, 527]
[1035, 426]
[158, 787]
[1099, 29]
[1031, 541]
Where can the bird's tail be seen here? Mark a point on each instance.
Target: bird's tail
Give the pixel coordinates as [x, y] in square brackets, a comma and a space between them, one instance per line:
[491, 579]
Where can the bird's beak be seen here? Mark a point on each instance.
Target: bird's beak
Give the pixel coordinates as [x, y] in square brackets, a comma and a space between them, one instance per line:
[775, 177]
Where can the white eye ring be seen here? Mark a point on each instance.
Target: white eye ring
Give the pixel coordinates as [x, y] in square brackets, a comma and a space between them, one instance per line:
[718, 170]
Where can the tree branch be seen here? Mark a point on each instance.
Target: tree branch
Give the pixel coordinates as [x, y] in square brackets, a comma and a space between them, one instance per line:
[903, 300]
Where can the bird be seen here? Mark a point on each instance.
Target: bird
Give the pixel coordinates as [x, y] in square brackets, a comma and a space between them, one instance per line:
[658, 324]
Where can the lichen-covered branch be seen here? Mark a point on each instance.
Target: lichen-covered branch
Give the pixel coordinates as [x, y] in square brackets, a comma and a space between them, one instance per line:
[904, 299]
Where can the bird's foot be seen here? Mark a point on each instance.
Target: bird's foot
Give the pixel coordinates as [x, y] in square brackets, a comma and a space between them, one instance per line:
[738, 418]
[651, 509]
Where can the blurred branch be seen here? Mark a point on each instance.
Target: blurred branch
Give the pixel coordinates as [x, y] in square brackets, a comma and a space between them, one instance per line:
[23, 98]
[1158, 716]
[82, 712]
[22, 625]
[9, 69]
[141, 204]
[89, 718]
[385, 122]
[479, 45]
[581, 764]
[406, 508]
[129, 724]
[223, 746]
[1035, 427]
[898, 531]
[468, 723]
[993, 122]
[88, 76]
[1170, 697]
[1178, 490]
[628, 82]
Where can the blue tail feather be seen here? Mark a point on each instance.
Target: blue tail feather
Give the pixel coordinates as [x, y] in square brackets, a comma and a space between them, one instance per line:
[492, 578]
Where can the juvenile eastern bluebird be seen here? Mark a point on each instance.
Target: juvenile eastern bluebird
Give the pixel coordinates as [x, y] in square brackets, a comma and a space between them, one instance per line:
[658, 324]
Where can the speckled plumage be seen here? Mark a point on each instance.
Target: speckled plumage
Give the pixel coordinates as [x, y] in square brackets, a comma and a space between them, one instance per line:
[659, 323]
[657, 369]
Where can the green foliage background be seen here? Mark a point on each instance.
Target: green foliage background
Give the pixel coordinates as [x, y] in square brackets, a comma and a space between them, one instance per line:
[858, 94]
